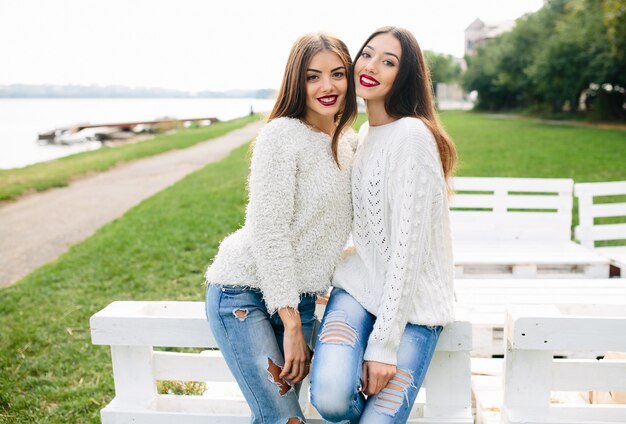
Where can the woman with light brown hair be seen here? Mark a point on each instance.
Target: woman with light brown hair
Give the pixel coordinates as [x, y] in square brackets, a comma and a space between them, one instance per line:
[263, 283]
[394, 293]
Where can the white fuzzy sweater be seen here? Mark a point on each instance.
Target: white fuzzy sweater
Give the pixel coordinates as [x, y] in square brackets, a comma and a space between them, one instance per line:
[298, 216]
[401, 268]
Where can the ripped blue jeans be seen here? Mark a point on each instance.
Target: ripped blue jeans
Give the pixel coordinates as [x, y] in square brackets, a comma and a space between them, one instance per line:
[338, 366]
[251, 341]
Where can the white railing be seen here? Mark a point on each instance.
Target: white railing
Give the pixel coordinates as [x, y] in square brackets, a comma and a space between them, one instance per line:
[589, 232]
[534, 334]
[520, 227]
[132, 329]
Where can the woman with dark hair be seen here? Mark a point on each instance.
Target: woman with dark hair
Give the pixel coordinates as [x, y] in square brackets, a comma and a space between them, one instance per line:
[263, 282]
[394, 293]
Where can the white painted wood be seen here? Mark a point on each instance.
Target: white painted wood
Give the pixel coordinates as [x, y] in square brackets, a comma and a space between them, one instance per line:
[133, 374]
[533, 334]
[589, 232]
[524, 270]
[132, 328]
[589, 374]
[528, 380]
[447, 385]
[523, 229]
[207, 366]
[551, 259]
[600, 189]
[483, 303]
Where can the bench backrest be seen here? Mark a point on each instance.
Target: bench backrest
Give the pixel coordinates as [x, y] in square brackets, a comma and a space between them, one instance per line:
[534, 334]
[511, 209]
[588, 232]
[133, 328]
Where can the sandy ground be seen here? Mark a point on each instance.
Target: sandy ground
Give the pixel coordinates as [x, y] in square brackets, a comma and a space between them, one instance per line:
[39, 228]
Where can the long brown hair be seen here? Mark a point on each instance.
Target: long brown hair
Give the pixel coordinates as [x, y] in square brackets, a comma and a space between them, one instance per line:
[411, 94]
[291, 99]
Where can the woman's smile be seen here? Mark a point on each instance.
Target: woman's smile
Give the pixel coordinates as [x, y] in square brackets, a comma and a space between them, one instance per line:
[328, 100]
[368, 81]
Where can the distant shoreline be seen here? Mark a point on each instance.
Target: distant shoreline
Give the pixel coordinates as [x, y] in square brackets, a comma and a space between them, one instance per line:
[27, 91]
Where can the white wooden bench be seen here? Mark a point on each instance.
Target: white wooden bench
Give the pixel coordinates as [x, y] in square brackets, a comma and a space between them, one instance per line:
[533, 334]
[483, 302]
[588, 232]
[519, 227]
[132, 329]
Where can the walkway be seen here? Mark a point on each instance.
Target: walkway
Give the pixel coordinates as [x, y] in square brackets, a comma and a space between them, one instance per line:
[39, 228]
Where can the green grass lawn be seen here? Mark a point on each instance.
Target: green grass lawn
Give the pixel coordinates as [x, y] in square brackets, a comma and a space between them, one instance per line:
[50, 372]
[59, 172]
[511, 147]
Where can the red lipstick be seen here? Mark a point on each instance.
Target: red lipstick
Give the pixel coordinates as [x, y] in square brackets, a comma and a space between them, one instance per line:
[327, 100]
[368, 81]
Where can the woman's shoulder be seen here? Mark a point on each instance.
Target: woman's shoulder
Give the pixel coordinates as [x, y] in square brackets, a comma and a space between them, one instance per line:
[284, 131]
[283, 125]
[415, 136]
[415, 128]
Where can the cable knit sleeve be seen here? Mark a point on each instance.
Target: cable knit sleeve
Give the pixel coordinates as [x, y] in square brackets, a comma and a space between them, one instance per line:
[411, 188]
[272, 186]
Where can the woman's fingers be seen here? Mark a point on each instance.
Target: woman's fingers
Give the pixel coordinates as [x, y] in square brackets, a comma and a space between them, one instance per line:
[286, 369]
[364, 378]
[376, 376]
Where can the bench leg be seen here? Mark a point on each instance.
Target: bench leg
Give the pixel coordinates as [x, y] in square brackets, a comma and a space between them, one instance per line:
[524, 271]
[448, 386]
[135, 385]
[527, 385]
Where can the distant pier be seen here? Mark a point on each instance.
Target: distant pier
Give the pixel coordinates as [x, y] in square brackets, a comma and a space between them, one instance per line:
[80, 133]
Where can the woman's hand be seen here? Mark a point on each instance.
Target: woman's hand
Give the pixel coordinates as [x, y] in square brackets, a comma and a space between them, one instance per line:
[376, 375]
[297, 352]
[323, 299]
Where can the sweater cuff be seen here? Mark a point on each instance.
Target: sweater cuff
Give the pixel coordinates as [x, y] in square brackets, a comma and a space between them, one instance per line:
[274, 303]
[381, 353]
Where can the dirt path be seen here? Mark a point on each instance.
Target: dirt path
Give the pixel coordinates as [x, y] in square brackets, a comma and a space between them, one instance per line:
[39, 228]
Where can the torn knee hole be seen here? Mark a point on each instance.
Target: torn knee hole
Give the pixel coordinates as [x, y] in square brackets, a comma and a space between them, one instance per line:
[240, 314]
[274, 376]
[295, 420]
[336, 331]
[390, 398]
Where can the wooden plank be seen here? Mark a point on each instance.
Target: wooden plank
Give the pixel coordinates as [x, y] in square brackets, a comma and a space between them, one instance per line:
[544, 328]
[509, 201]
[205, 366]
[604, 210]
[600, 189]
[447, 384]
[527, 380]
[135, 385]
[116, 326]
[607, 232]
[541, 185]
[587, 375]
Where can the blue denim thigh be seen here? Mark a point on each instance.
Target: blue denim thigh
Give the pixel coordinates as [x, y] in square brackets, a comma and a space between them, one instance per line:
[244, 332]
[337, 363]
[394, 403]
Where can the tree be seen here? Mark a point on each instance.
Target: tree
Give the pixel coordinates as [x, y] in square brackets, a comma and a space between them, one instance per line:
[443, 68]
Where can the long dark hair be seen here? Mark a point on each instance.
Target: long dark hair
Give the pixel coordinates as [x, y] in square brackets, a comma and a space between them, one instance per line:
[291, 99]
[411, 93]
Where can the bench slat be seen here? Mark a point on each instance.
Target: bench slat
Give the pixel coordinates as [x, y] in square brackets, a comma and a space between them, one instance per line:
[589, 374]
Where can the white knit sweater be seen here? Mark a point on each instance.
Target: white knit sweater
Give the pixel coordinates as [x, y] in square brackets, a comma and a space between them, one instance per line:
[401, 268]
[298, 216]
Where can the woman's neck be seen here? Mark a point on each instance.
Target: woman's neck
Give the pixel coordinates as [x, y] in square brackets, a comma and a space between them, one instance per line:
[377, 114]
[319, 123]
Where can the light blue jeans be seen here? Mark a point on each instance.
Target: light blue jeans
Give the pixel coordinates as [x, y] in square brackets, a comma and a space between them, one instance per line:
[338, 365]
[251, 341]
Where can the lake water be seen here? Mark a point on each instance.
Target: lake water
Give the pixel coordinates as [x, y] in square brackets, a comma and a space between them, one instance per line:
[21, 120]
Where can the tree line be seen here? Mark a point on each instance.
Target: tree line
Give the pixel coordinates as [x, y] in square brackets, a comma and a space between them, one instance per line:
[568, 56]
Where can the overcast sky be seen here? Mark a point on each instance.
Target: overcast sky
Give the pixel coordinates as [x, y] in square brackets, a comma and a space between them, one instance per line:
[208, 44]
